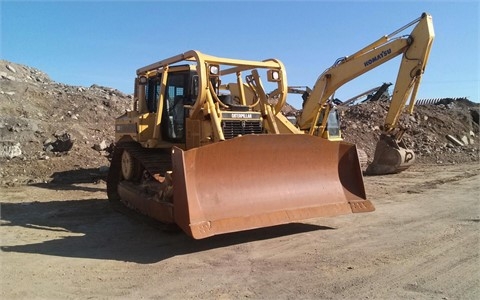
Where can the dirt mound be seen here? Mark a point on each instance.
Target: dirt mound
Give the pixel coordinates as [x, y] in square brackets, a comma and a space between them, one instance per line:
[447, 132]
[52, 131]
[48, 128]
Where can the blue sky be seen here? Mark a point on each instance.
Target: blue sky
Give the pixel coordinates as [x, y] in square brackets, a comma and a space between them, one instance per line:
[87, 42]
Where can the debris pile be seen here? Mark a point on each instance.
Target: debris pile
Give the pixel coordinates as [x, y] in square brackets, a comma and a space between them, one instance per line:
[53, 131]
[48, 127]
[438, 134]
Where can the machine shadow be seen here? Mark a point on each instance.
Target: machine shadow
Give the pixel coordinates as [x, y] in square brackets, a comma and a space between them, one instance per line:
[92, 229]
[71, 179]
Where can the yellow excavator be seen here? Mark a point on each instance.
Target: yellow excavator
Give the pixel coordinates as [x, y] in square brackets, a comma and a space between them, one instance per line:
[319, 116]
[205, 147]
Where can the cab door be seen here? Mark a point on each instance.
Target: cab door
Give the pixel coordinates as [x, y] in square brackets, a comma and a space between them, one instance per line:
[174, 112]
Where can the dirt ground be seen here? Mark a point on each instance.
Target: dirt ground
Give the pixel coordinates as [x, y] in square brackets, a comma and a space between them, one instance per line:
[422, 242]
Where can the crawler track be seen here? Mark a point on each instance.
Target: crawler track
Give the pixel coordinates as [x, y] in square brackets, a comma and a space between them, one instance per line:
[146, 193]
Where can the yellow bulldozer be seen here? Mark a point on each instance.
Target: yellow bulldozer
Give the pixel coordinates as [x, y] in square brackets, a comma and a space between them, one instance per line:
[207, 148]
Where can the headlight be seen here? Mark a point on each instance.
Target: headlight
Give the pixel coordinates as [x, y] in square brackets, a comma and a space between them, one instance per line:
[273, 75]
[142, 80]
[214, 69]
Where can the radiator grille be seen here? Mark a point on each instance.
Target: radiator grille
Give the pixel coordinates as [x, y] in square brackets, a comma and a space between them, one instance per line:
[233, 129]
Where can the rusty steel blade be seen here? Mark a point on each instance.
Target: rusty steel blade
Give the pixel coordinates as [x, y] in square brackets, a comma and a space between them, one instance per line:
[257, 181]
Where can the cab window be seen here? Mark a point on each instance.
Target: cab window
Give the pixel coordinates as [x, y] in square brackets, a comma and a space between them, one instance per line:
[175, 99]
[152, 93]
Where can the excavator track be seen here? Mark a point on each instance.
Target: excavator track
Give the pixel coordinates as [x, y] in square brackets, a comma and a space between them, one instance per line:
[148, 191]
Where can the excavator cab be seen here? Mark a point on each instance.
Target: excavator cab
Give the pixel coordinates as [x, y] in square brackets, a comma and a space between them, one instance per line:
[207, 148]
[328, 125]
[333, 126]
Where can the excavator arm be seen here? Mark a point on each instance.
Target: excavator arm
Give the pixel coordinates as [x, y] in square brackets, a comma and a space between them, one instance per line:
[412, 67]
[414, 48]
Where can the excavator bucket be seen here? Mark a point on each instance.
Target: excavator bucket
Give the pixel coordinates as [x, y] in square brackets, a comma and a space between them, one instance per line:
[390, 157]
[257, 181]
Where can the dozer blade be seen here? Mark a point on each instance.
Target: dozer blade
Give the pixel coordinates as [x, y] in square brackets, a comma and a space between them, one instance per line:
[257, 181]
[390, 157]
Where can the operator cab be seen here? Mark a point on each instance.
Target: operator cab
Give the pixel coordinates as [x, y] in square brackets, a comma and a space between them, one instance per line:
[179, 91]
[333, 125]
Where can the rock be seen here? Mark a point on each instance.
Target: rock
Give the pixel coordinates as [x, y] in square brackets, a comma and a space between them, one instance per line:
[454, 140]
[11, 69]
[10, 149]
[48, 141]
[63, 143]
[475, 115]
[48, 148]
[465, 140]
[101, 146]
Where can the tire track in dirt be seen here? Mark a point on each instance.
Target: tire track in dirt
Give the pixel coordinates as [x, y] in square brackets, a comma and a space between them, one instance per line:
[422, 249]
[414, 246]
